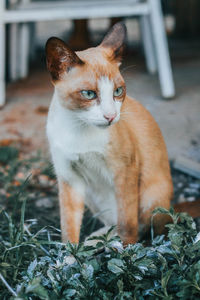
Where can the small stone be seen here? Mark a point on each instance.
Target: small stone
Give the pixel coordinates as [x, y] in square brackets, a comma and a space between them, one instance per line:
[180, 185]
[44, 180]
[190, 199]
[190, 191]
[16, 183]
[194, 185]
[2, 192]
[181, 198]
[44, 202]
[20, 175]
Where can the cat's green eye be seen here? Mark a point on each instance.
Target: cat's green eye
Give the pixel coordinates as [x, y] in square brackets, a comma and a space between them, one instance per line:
[88, 94]
[118, 92]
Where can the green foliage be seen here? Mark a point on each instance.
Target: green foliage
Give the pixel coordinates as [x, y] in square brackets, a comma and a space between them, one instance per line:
[36, 268]
[7, 154]
[33, 265]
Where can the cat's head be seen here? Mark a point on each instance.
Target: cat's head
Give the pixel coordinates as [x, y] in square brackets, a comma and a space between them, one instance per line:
[89, 82]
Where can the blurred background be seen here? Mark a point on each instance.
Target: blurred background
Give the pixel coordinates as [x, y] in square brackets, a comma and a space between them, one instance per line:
[161, 67]
[166, 83]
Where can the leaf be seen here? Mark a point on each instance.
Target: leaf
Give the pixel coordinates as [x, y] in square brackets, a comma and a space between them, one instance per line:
[164, 250]
[165, 278]
[160, 210]
[94, 263]
[36, 266]
[69, 292]
[87, 271]
[31, 268]
[120, 285]
[158, 240]
[109, 231]
[37, 289]
[115, 265]
[7, 154]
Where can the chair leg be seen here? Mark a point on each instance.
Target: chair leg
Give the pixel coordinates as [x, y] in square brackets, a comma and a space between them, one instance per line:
[149, 49]
[32, 41]
[161, 47]
[2, 60]
[23, 49]
[13, 52]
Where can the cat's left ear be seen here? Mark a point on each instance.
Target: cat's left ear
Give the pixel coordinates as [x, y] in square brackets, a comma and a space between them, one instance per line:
[60, 58]
[114, 41]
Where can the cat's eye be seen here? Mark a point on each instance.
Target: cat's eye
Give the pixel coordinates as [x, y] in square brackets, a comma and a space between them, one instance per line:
[118, 92]
[88, 94]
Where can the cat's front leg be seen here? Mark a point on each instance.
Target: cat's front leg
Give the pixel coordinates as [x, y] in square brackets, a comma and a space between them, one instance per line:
[127, 202]
[71, 210]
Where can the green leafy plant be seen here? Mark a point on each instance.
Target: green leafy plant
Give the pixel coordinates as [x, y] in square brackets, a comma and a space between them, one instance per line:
[34, 267]
[34, 264]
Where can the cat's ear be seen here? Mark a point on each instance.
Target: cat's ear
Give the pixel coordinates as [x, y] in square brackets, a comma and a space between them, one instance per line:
[60, 58]
[114, 40]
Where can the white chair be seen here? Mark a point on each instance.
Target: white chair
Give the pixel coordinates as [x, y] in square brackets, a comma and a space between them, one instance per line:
[149, 12]
[19, 36]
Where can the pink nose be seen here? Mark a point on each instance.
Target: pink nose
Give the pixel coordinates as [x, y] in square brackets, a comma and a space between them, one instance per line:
[110, 117]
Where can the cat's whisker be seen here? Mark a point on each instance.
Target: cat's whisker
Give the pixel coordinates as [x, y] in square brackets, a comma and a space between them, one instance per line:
[127, 68]
[95, 120]
[123, 119]
[126, 113]
[77, 123]
[83, 124]
[123, 115]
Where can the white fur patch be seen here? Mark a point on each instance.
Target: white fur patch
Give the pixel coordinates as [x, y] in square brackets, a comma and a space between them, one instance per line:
[107, 106]
[78, 152]
[107, 103]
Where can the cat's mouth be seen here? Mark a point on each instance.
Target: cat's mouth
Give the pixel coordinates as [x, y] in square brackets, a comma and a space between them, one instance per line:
[99, 123]
[107, 124]
[103, 125]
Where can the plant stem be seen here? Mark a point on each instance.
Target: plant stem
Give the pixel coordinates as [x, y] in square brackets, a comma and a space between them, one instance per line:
[7, 285]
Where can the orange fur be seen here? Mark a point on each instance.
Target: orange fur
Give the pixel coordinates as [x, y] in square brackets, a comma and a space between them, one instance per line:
[136, 153]
[138, 157]
[71, 211]
[86, 76]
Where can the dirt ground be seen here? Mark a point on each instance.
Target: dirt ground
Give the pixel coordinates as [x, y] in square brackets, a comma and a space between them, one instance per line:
[23, 118]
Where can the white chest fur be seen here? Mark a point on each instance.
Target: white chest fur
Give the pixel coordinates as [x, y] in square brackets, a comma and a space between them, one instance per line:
[78, 154]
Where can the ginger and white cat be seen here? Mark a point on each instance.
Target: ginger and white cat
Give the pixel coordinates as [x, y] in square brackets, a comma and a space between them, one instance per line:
[107, 150]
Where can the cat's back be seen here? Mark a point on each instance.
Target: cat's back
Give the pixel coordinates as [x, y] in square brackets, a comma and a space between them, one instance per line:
[139, 118]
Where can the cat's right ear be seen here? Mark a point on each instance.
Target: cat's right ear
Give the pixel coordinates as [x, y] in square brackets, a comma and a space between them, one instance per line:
[114, 41]
[60, 58]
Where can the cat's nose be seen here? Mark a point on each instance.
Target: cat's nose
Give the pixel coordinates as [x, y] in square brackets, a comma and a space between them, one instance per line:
[110, 117]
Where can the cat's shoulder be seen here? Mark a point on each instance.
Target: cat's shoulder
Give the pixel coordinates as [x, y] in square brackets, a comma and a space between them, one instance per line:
[137, 112]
